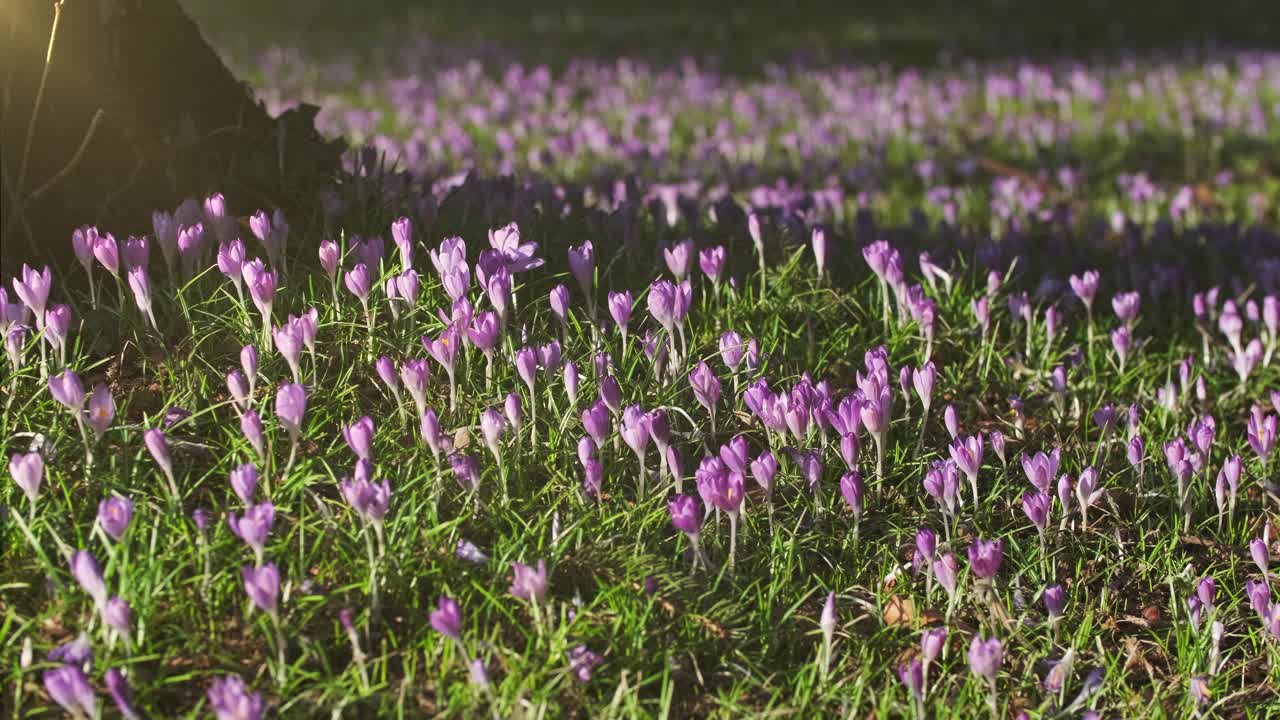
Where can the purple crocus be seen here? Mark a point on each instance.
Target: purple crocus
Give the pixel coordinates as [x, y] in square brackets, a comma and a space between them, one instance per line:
[102, 409]
[712, 260]
[114, 514]
[967, 454]
[244, 481]
[230, 699]
[359, 437]
[291, 406]
[28, 472]
[582, 263]
[69, 687]
[679, 258]
[529, 582]
[446, 619]
[687, 518]
[706, 389]
[262, 585]
[85, 570]
[254, 527]
[984, 557]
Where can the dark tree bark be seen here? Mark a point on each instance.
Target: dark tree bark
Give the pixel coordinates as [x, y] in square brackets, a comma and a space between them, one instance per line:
[137, 112]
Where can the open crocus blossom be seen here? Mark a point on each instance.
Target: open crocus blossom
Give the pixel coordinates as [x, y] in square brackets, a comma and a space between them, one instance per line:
[231, 699]
[529, 582]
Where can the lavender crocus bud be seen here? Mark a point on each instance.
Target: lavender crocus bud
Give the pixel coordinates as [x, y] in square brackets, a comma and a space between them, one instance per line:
[329, 256]
[951, 421]
[262, 585]
[102, 409]
[446, 619]
[712, 260]
[359, 437]
[984, 557]
[932, 643]
[559, 300]
[1055, 599]
[513, 409]
[85, 570]
[121, 694]
[230, 699]
[244, 481]
[116, 615]
[251, 427]
[291, 405]
[114, 515]
[582, 263]
[254, 527]
[593, 476]
[996, 438]
[28, 472]
[68, 686]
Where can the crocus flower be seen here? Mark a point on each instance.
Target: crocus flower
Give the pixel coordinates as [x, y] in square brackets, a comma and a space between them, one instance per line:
[116, 615]
[28, 472]
[583, 662]
[1036, 506]
[291, 405]
[706, 389]
[985, 657]
[854, 491]
[446, 619]
[1055, 599]
[712, 260]
[121, 694]
[69, 687]
[230, 699]
[114, 515]
[491, 427]
[1085, 286]
[1261, 556]
[679, 258]
[329, 257]
[821, 249]
[359, 437]
[371, 500]
[967, 454]
[984, 557]
[85, 570]
[67, 390]
[254, 527]
[582, 263]
[1041, 468]
[558, 298]
[244, 481]
[516, 256]
[945, 569]
[1120, 342]
[444, 350]
[33, 289]
[102, 409]
[1126, 306]
[951, 421]
[529, 583]
[466, 471]
[262, 585]
[251, 427]
[402, 234]
[467, 550]
[414, 373]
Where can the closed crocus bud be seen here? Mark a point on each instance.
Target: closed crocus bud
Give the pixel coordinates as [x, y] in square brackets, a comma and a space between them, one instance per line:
[763, 469]
[849, 450]
[1120, 342]
[571, 382]
[559, 300]
[114, 515]
[387, 373]
[592, 477]
[491, 427]
[116, 615]
[685, 514]
[359, 282]
[102, 409]
[446, 619]
[582, 263]
[244, 481]
[33, 289]
[679, 258]
[926, 545]
[1126, 306]
[611, 394]
[931, 644]
[1260, 554]
[1036, 506]
[251, 427]
[67, 390]
[254, 527]
[514, 412]
[402, 234]
[121, 694]
[359, 437]
[158, 446]
[945, 569]
[951, 421]
[706, 387]
[996, 438]
[586, 449]
[85, 570]
[291, 405]
[1085, 286]
[1055, 600]
[731, 350]
[28, 472]
[68, 686]
[107, 252]
[329, 256]
[527, 365]
[57, 323]
[854, 492]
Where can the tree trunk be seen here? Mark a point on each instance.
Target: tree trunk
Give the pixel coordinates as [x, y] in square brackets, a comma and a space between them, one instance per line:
[135, 112]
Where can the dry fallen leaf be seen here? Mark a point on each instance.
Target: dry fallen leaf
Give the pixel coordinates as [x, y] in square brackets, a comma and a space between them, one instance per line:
[899, 611]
